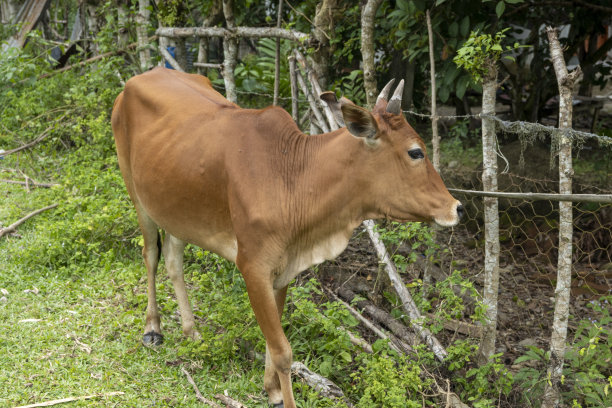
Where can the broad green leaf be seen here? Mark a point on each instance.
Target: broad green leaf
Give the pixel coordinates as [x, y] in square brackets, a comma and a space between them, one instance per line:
[515, 1]
[438, 2]
[453, 29]
[462, 85]
[499, 9]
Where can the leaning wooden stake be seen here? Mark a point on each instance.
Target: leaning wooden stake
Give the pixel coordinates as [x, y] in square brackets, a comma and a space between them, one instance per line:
[71, 399]
[320, 122]
[407, 302]
[491, 214]
[566, 82]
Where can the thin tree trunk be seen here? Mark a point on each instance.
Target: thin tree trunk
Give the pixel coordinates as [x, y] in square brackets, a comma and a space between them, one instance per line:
[489, 182]
[230, 53]
[435, 140]
[294, 90]
[142, 19]
[279, 19]
[323, 23]
[122, 22]
[566, 82]
[368, 14]
[214, 16]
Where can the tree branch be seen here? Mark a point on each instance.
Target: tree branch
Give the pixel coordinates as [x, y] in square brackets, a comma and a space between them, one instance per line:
[13, 226]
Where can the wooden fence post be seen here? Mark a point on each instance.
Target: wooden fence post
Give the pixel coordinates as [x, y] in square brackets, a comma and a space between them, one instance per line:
[230, 52]
[368, 13]
[491, 214]
[142, 20]
[566, 82]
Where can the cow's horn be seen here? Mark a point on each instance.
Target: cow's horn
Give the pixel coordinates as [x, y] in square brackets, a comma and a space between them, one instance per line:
[384, 94]
[395, 104]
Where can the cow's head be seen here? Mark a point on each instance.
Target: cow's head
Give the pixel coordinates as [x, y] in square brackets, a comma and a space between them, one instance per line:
[404, 182]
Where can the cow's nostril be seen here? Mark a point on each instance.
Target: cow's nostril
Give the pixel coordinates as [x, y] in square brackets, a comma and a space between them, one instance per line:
[460, 211]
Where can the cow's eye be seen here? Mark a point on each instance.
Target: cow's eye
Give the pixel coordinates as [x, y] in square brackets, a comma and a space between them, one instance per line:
[416, 154]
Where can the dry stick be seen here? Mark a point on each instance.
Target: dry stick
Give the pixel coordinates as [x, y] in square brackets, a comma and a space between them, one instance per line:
[313, 105]
[435, 140]
[314, 81]
[13, 226]
[407, 302]
[63, 400]
[566, 83]
[197, 391]
[30, 182]
[294, 90]
[380, 316]
[319, 383]
[380, 333]
[229, 402]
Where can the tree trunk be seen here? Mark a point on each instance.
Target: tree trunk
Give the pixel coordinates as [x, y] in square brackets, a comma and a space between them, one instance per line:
[142, 26]
[323, 23]
[368, 14]
[9, 9]
[566, 82]
[230, 53]
[279, 18]
[122, 23]
[435, 137]
[213, 18]
[489, 182]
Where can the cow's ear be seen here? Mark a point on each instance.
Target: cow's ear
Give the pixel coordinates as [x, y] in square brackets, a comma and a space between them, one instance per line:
[330, 99]
[359, 121]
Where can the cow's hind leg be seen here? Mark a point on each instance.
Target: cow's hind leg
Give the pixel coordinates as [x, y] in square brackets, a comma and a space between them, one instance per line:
[151, 253]
[173, 250]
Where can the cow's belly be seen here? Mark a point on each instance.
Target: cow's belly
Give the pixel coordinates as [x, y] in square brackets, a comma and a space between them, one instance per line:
[302, 258]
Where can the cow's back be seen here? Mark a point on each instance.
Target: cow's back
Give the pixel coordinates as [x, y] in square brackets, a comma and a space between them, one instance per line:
[171, 155]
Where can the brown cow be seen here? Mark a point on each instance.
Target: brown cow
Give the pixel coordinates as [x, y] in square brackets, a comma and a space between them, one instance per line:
[250, 186]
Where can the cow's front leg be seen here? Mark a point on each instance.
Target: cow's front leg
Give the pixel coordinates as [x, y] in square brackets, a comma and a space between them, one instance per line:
[173, 250]
[279, 356]
[271, 380]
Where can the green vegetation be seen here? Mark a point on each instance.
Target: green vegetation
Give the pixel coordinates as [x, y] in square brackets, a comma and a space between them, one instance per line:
[72, 282]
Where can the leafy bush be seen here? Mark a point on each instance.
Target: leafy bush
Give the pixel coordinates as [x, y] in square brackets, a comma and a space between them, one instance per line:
[587, 372]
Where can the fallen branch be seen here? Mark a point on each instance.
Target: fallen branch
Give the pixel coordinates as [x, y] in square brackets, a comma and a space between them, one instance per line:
[64, 400]
[321, 384]
[380, 316]
[405, 297]
[460, 327]
[13, 226]
[394, 343]
[197, 391]
[229, 402]
[30, 182]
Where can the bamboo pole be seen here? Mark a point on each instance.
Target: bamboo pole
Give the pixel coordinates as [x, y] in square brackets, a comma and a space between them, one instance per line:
[491, 215]
[566, 83]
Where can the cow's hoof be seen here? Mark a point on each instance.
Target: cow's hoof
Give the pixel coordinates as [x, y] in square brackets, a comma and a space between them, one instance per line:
[279, 405]
[152, 339]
